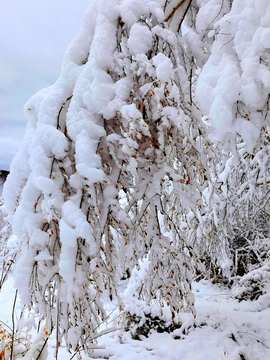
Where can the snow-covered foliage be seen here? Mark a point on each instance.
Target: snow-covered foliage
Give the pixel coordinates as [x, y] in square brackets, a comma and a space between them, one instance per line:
[147, 157]
[236, 108]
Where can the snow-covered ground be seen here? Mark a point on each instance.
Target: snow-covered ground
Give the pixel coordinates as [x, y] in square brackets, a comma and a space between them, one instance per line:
[223, 330]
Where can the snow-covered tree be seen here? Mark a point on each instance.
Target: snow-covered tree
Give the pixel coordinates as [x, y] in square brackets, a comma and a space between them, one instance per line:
[148, 153]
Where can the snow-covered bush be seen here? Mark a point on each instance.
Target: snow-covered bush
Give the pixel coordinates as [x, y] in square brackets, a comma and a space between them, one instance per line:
[254, 284]
[147, 154]
[236, 80]
[109, 174]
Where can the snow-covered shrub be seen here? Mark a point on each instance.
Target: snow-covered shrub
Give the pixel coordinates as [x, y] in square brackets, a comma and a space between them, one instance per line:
[254, 284]
[110, 172]
[235, 78]
[117, 190]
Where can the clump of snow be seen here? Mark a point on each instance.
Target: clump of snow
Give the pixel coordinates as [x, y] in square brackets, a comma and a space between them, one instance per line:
[209, 12]
[135, 43]
[132, 10]
[233, 74]
[163, 66]
[166, 34]
[223, 176]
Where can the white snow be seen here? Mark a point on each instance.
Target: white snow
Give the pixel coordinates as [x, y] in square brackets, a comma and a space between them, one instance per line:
[135, 43]
[131, 10]
[224, 328]
[90, 94]
[236, 71]
[163, 65]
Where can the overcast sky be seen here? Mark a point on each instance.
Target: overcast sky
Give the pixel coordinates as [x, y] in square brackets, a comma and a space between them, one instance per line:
[33, 37]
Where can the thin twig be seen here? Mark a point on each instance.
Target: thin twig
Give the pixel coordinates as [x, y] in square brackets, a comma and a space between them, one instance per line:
[9, 328]
[45, 342]
[104, 332]
[226, 43]
[216, 15]
[59, 113]
[165, 5]
[184, 15]
[190, 81]
[4, 276]
[174, 10]
[254, 250]
[13, 324]
[261, 340]
[57, 329]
